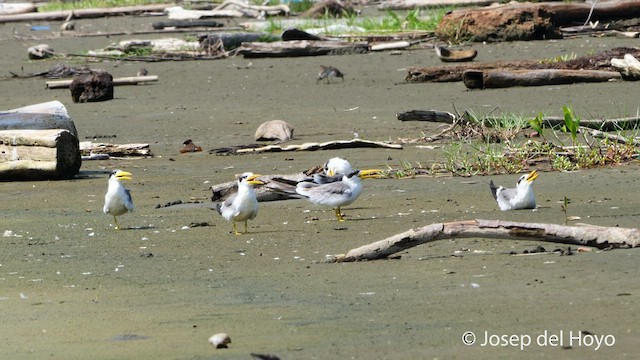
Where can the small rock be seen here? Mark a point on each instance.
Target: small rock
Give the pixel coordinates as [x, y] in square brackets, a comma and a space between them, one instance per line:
[220, 340]
[274, 130]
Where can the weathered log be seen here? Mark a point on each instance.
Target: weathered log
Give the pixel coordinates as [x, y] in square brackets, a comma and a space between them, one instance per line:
[83, 13]
[301, 48]
[88, 148]
[419, 4]
[427, 115]
[599, 61]
[595, 236]
[48, 115]
[491, 79]
[38, 154]
[329, 145]
[528, 21]
[131, 80]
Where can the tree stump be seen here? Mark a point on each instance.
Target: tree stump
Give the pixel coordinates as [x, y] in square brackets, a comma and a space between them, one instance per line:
[94, 87]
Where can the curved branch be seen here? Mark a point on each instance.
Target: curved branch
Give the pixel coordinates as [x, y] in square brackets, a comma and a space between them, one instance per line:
[590, 235]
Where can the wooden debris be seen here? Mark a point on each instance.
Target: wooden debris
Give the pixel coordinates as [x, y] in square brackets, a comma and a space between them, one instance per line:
[628, 66]
[131, 80]
[528, 21]
[488, 79]
[83, 13]
[301, 48]
[599, 61]
[595, 236]
[427, 115]
[180, 24]
[93, 87]
[229, 8]
[421, 4]
[393, 45]
[17, 8]
[47, 115]
[455, 55]
[88, 148]
[58, 71]
[38, 154]
[330, 145]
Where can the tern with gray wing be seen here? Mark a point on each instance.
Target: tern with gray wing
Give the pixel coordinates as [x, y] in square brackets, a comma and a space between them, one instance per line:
[518, 198]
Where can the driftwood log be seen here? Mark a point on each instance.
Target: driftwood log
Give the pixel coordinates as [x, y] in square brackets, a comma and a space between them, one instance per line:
[595, 236]
[48, 115]
[131, 80]
[301, 48]
[329, 145]
[418, 4]
[492, 79]
[529, 21]
[38, 154]
[90, 150]
[447, 73]
[83, 13]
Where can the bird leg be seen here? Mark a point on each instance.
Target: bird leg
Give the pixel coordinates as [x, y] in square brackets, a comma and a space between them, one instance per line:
[339, 214]
[115, 220]
[235, 229]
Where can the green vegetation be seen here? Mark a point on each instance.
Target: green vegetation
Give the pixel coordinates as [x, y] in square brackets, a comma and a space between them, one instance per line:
[90, 4]
[414, 20]
[511, 144]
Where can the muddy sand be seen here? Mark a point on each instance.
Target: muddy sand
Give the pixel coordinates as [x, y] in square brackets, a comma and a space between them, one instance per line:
[72, 287]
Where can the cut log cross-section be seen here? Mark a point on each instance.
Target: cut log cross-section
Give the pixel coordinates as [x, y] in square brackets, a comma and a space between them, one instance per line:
[38, 154]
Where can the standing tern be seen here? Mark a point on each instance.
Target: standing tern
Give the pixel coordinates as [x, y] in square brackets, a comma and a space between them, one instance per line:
[335, 193]
[243, 205]
[117, 200]
[520, 197]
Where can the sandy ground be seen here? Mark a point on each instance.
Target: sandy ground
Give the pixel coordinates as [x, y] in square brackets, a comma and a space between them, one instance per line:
[71, 287]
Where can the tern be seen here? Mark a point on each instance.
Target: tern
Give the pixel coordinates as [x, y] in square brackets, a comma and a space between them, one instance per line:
[118, 199]
[243, 205]
[520, 197]
[335, 193]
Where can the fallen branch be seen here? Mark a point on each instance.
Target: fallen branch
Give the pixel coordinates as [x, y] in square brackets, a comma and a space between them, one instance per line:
[301, 48]
[617, 138]
[132, 80]
[83, 13]
[595, 236]
[551, 121]
[329, 145]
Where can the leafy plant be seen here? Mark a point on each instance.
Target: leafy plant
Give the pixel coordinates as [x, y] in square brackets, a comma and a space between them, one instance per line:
[571, 122]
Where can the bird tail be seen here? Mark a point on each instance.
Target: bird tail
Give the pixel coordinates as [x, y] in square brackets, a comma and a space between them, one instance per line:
[219, 208]
[494, 190]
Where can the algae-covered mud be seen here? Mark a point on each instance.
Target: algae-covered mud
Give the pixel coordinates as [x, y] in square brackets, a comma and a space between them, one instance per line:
[72, 287]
